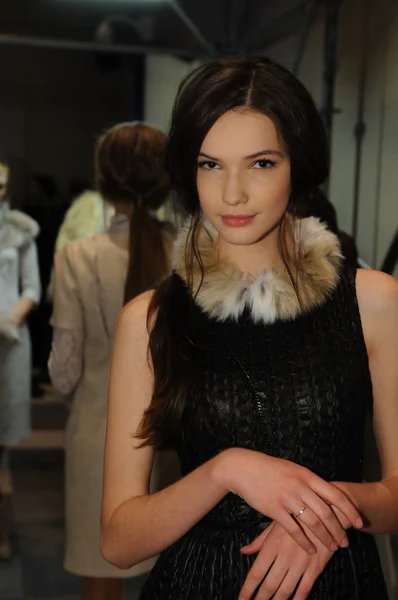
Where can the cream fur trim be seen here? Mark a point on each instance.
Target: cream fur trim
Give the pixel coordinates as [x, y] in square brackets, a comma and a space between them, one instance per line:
[225, 291]
[24, 223]
[16, 228]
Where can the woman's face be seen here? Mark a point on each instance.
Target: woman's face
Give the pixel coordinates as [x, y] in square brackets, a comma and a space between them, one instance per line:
[3, 184]
[243, 177]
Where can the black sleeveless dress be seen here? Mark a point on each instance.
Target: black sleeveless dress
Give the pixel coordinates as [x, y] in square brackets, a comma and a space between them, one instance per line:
[298, 390]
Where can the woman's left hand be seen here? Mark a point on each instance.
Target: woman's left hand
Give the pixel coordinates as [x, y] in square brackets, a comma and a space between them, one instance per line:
[282, 567]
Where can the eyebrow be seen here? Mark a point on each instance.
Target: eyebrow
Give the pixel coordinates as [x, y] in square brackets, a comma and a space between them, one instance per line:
[255, 155]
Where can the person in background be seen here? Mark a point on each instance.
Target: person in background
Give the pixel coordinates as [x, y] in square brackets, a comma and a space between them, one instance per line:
[88, 215]
[76, 187]
[44, 204]
[93, 279]
[20, 291]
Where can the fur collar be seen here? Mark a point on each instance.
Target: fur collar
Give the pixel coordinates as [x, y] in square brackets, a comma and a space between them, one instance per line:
[16, 228]
[270, 296]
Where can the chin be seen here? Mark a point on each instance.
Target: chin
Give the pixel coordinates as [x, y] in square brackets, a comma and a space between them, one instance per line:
[241, 236]
[239, 240]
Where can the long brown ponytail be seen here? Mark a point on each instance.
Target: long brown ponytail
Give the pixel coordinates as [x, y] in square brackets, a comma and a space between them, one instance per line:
[129, 169]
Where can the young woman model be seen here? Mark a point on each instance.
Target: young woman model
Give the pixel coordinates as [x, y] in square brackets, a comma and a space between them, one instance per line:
[93, 278]
[20, 291]
[255, 360]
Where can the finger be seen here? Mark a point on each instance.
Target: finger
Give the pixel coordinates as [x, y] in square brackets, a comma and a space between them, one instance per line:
[306, 585]
[329, 520]
[257, 573]
[334, 496]
[295, 531]
[341, 518]
[257, 543]
[311, 519]
[273, 580]
[290, 582]
[255, 546]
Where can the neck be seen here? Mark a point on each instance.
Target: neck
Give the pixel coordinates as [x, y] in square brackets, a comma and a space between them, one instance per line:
[122, 208]
[224, 289]
[254, 258]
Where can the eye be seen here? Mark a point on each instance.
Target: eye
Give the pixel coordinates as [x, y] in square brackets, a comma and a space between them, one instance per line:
[208, 165]
[264, 163]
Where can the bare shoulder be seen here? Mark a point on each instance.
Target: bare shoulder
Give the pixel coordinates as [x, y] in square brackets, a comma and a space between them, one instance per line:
[377, 292]
[137, 309]
[378, 305]
[133, 320]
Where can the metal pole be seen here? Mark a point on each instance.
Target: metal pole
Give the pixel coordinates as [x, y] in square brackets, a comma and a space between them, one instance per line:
[206, 45]
[139, 88]
[238, 12]
[391, 259]
[330, 61]
[33, 42]
[269, 31]
[309, 17]
[360, 127]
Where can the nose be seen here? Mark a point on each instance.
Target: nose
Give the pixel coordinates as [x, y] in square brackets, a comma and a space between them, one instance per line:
[234, 192]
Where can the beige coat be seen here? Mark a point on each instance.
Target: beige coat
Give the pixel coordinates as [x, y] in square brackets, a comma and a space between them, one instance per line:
[89, 283]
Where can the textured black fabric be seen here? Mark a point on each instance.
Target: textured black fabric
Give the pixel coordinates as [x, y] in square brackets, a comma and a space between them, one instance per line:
[313, 390]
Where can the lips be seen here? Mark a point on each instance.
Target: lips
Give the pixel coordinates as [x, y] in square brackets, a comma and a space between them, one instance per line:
[237, 220]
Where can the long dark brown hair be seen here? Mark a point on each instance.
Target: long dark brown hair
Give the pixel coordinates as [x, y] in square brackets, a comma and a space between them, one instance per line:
[252, 83]
[129, 166]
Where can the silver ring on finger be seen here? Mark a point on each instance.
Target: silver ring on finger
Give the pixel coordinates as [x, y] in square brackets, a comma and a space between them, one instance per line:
[301, 512]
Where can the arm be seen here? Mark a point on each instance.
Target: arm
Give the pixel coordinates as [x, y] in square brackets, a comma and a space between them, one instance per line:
[30, 283]
[66, 359]
[65, 364]
[21, 310]
[136, 525]
[129, 513]
[378, 303]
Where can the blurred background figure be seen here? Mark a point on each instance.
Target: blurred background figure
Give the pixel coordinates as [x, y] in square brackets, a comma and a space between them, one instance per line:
[76, 187]
[45, 205]
[87, 216]
[93, 279]
[19, 294]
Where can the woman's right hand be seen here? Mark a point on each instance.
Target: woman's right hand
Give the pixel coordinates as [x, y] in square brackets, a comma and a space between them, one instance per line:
[282, 569]
[8, 330]
[290, 494]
